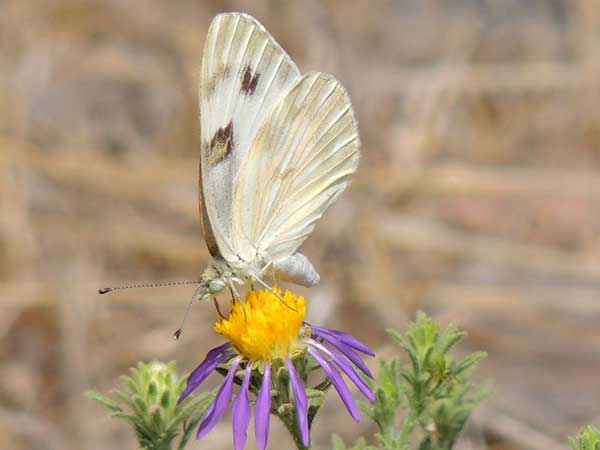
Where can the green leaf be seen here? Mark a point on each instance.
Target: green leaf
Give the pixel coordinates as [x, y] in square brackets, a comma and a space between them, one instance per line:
[131, 384]
[165, 400]
[429, 388]
[122, 396]
[141, 407]
[152, 391]
[315, 396]
[414, 360]
[427, 357]
[180, 386]
[468, 362]
[425, 443]
[337, 443]
[361, 445]
[587, 439]
[103, 400]
[397, 337]
[450, 338]
[147, 401]
[158, 420]
[199, 404]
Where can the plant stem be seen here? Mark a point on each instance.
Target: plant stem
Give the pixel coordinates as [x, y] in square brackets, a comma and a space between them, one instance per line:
[291, 426]
[407, 427]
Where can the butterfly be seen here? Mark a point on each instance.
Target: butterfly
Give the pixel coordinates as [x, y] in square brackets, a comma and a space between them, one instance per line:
[277, 148]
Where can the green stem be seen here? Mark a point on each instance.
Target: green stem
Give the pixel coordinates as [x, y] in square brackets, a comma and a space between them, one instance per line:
[407, 427]
[410, 422]
[292, 427]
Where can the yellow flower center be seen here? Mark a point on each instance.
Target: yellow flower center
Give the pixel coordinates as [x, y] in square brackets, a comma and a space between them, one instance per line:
[263, 327]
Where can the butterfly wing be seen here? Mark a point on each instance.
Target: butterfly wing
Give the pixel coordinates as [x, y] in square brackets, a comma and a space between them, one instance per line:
[299, 163]
[244, 75]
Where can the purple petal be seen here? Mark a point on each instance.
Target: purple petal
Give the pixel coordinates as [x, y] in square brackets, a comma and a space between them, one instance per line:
[213, 358]
[301, 402]
[347, 369]
[346, 338]
[347, 351]
[338, 383]
[220, 403]
[241, 412]
[262, 409]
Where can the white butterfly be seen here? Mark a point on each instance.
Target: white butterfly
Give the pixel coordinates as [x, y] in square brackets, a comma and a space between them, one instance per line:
[277, 149]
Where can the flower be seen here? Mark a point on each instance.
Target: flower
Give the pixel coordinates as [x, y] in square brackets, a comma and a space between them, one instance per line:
[271, 349]
[263, 327]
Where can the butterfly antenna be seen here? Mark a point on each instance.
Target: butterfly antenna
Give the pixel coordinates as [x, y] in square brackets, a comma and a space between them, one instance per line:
[179, 330]
[195, 295]
[106, 290]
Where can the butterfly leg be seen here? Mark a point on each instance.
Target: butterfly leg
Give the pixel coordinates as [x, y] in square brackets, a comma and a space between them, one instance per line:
[272, 291]
[216, 303]
[235, 296]
[268, 266]
[274, 276]
[234, 293]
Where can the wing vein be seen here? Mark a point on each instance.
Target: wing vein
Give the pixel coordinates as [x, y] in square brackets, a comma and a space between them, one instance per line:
[273, 78]
[290, 185]
[324, 146]
[332, 182]
[272, 169]
[235, 42]
[228, 63]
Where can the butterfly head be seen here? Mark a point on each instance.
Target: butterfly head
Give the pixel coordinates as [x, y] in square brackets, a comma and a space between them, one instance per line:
[215, 285]
[217, 276]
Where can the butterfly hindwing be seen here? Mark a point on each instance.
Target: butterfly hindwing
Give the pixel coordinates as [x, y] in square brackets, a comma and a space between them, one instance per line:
[300, 161]
[244, 75]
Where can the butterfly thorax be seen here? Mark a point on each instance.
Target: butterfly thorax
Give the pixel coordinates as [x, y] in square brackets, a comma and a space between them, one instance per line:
[221, 273]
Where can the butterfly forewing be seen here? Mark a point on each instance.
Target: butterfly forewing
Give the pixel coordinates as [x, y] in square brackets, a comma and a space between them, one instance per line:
[244, 75]
[298, 164]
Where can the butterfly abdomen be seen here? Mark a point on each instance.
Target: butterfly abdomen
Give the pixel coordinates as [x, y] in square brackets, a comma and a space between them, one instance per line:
[296, 269]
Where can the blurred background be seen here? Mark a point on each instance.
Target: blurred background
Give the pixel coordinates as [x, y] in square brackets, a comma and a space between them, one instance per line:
[476, 200]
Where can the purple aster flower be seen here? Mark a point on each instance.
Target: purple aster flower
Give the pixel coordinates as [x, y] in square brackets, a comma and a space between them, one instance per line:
[266, 339]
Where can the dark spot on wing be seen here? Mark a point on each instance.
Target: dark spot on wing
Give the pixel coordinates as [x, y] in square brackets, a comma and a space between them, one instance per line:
[221, 144]
[249, 81]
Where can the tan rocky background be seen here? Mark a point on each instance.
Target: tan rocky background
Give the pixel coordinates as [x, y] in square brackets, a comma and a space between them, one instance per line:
[477, 200]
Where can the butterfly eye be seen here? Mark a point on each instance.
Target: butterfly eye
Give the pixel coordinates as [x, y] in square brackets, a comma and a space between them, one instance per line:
[216, 285]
